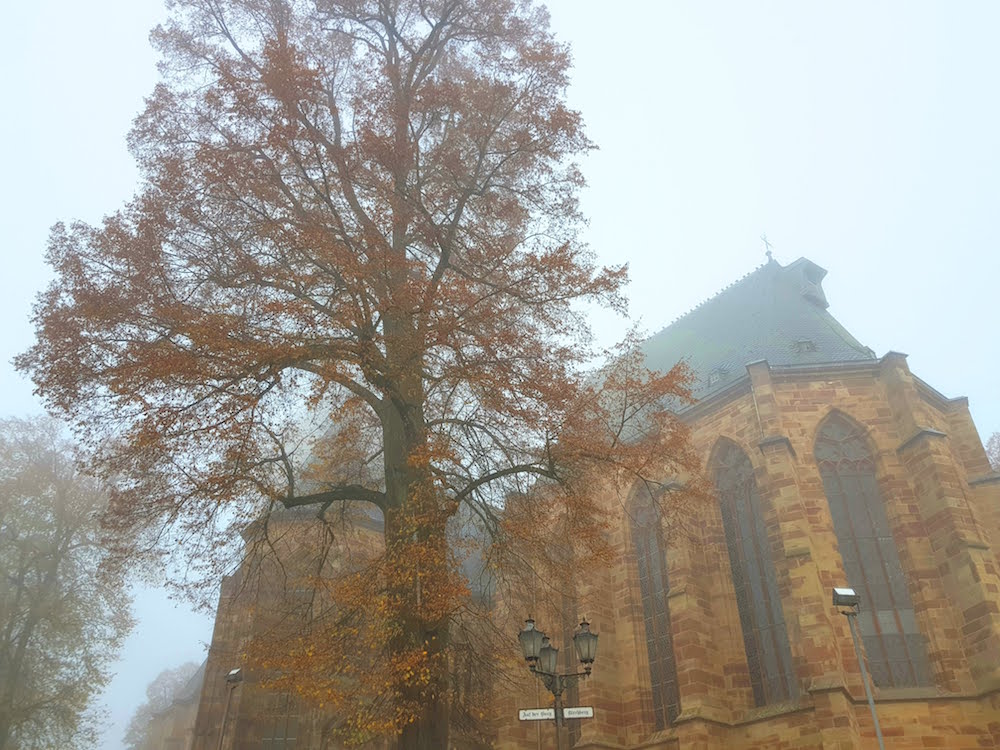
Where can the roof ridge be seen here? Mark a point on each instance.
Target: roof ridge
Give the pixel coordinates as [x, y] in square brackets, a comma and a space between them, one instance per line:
[719, 293]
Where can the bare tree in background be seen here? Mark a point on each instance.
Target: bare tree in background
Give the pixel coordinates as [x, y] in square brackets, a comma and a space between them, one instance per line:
[160, 693]
[993, 450]
[63, 611]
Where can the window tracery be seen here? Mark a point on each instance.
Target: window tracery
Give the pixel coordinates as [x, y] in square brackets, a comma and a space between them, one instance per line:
[765, 636]
[897, 653]
[647, 537]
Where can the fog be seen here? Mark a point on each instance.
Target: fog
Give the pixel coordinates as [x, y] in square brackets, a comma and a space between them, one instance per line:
[861, 136]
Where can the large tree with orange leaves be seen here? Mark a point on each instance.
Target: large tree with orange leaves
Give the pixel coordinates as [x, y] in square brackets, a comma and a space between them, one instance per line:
[352, 274]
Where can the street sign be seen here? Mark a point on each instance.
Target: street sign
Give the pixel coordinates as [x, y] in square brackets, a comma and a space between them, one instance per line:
[539, 714]
[536, 714]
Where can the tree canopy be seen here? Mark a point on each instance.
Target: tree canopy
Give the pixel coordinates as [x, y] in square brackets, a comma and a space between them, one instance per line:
[353, 273]
[63, 612]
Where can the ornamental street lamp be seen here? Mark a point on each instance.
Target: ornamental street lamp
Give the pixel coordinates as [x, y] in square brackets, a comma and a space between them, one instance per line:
[543, 661]
[844, 597]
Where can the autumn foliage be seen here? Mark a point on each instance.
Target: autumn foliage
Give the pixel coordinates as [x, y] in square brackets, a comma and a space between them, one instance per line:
[352, 275]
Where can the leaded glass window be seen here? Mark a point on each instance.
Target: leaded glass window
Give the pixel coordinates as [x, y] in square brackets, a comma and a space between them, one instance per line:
[897, 653]
[765, 637]
[647, 536]
[280, 723]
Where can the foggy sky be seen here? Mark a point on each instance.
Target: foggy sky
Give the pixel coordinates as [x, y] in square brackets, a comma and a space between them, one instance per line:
[863, 136]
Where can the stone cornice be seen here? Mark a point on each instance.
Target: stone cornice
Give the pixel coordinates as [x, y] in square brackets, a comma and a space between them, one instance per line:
[721, 397]
[921, 432]
[933, 396]
[988, 479]
[789, 372]
[783, 373]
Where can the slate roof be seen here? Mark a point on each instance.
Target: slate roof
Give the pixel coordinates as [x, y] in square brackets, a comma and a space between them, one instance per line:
[188, 693]
[191, 691]
[776, 313]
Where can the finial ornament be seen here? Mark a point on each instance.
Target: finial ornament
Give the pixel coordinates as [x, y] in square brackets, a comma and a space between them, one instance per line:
[767, 247]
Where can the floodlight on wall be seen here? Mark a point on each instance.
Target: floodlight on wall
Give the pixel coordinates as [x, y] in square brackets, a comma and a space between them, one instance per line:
[844, 597]
[234, 676]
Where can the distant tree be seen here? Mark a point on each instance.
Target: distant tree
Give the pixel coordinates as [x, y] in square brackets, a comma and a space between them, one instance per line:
[993, 450]
[63, 610]
[359, 217]
[160, 693]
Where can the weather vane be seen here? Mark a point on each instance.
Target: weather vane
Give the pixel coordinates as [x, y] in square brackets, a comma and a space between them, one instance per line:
[767, 246]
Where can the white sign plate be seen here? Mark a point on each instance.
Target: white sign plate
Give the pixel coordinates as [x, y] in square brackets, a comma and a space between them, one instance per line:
[536, 714]
[578, 712]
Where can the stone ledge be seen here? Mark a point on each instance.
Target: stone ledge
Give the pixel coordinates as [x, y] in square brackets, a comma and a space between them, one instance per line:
[750, 715]
[913, 694]
[993, 478]
[826, 684]
[677, 591]
[922, 432]
[975, 544]
[777, 440]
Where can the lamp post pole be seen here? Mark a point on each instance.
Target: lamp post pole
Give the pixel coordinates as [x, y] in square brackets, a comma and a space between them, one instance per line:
[543, 660]
[557, 684]
[851, 616]
[233, 679]
[848, 598]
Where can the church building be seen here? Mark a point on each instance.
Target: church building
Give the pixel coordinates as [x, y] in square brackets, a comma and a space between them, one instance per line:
[831, 467]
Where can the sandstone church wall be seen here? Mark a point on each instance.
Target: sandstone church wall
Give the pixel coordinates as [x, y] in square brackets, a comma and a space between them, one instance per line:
[930, 467]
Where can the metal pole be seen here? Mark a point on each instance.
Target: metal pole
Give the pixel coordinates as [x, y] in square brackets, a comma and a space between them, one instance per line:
[557, 694]
[864, 677]
[538, 724]
[225, 714]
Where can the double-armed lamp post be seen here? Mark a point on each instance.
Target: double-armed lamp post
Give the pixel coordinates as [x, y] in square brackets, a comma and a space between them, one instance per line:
[543, 661]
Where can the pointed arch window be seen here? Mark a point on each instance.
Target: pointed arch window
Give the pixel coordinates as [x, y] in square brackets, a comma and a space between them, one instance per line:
[647, 536]
[765, 637]
[897, 653]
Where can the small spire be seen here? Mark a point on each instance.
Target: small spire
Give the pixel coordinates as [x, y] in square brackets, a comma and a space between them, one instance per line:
[767, 247]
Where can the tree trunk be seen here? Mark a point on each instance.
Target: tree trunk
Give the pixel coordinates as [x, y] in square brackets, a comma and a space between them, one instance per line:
[416, 518]
[418, 560]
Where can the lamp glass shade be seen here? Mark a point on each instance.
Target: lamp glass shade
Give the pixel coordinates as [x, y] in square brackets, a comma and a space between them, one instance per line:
[844, 597]
[548, 657]
[530, 640]
[586, 643]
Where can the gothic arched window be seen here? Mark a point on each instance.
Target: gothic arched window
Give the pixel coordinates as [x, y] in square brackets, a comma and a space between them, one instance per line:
[897, 654]
[765, 637]
[647, 536]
